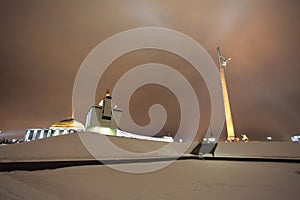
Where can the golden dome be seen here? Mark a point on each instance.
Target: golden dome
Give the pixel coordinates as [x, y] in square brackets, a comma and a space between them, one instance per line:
[69, 123]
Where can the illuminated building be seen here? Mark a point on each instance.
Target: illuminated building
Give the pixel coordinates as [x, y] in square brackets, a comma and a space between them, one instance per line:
[104, 117]
[100, 119]
[66, 126]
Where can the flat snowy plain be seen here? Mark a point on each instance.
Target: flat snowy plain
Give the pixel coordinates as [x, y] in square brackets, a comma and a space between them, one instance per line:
[185, 179]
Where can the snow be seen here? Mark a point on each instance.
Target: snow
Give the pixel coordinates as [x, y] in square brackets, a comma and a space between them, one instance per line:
[184, 179]
[188, 179]
[71, 147]
[259, 149]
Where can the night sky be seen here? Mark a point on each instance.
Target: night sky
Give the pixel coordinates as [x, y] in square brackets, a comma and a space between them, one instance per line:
[43, 43]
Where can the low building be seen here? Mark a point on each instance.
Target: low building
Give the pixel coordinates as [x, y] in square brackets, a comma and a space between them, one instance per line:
[66, 126]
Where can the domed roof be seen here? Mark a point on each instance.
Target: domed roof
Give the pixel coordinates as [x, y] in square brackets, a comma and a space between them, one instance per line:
[69, 123]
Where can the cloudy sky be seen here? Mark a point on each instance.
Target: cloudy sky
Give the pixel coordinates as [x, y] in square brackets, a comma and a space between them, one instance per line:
[43, 43]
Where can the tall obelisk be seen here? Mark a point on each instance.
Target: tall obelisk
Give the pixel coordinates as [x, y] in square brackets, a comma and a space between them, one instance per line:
[229, 124]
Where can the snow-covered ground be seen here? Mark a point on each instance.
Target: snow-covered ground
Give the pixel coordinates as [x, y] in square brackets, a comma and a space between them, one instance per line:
[186, 179]
[79, 147]
[72, 147]
[259, 149]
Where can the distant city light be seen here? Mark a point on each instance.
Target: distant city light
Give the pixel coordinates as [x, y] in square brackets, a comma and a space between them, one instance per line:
[295, 138]
[209, 140]
[269, 138]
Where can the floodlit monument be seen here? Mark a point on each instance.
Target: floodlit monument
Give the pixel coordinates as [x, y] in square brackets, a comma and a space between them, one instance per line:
[102, 118]
[223, 61]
